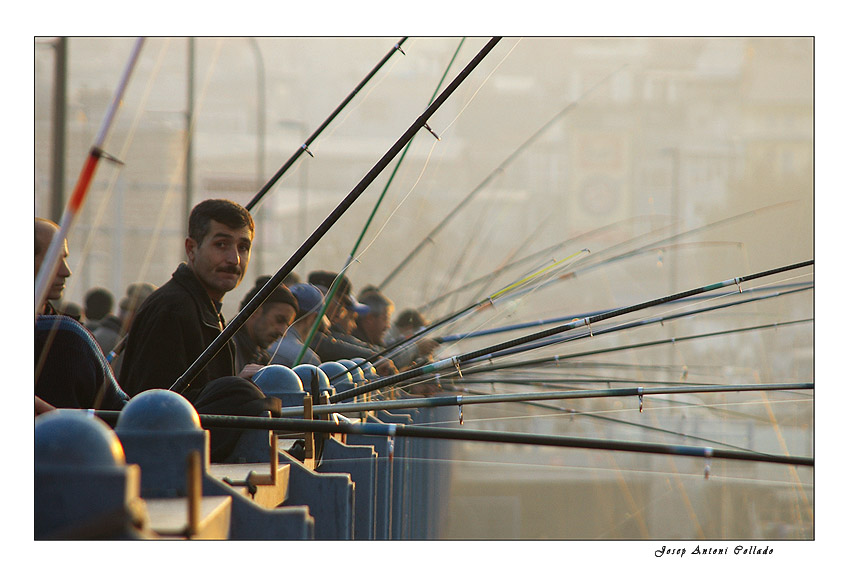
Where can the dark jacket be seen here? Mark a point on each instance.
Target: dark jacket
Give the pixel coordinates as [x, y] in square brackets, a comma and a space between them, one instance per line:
[170, 331]
[247, 351]
[70, 369]
[338, 347]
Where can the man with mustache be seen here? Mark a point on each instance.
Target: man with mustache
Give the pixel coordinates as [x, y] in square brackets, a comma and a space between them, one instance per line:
[183, 317]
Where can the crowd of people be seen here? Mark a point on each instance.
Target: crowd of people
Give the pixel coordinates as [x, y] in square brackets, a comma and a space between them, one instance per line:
[92, 358]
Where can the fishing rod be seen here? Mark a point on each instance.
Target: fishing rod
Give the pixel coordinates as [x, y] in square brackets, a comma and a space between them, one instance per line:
[50, 264]
[576, 413]
[454, 362]
[388, 351]
[461, 400]
[486, 278]
[504, 437]
[558, 358]
[305, 147]
[555, 277]
[633, 324]
[183, 381]
[122, 343]
[338, 279]
[523, 325]
[501, 167]
[653, 320]
[635, 251]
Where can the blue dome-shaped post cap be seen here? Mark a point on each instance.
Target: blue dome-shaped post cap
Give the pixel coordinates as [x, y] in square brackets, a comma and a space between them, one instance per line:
[73, 438]
[336, 372]
[356, 372]
[274, 379]
[307, 372]
[158, 410]
[339, 376]
[368, 369]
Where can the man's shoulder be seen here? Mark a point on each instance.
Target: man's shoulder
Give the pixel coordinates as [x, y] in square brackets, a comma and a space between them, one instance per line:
[63, 332]
[60, 323]
[171, 297]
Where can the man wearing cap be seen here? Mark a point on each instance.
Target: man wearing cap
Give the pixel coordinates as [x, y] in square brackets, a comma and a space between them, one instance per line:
[265, 325]
[337, 342]
[286, 350]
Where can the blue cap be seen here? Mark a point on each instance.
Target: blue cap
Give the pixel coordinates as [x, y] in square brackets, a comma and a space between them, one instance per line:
[309, 298]
[359, 308]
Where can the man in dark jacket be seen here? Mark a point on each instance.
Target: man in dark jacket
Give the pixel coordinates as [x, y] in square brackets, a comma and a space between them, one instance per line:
[183, 317]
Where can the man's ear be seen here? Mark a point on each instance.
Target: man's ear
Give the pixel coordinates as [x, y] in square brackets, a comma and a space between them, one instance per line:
[191, 245]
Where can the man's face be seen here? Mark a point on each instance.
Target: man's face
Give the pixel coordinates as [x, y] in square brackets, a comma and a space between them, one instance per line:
[346, 320]
[269, 322]
[219, 261]
[45, 236]
[375, 325]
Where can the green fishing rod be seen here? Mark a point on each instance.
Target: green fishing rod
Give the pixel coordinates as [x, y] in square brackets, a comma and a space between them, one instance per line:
[305, 147]
[481, 354]
[332, 290]
[502, 166]
[504, 437]
[236, 323]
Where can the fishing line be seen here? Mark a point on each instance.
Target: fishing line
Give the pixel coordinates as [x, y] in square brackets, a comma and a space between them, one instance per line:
[183, 381]
[486, 279]
[55, 250]
[304, 147]
[561, 413]
[366, 95]
[180, 168]
[481, 185]
[399, 205]
[351, 257]
[618, 327]
[110, 188]
[480, 86]
[491, 300]
[466, 104]
[676, 313]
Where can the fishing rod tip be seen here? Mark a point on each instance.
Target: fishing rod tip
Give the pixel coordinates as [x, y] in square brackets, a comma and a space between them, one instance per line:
[430, 130]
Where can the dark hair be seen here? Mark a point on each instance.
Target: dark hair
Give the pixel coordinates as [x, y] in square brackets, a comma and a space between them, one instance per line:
[375, 300]
[280, 294]
[326, 279]
[223, 211]
[99, 303]
[410, 318]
